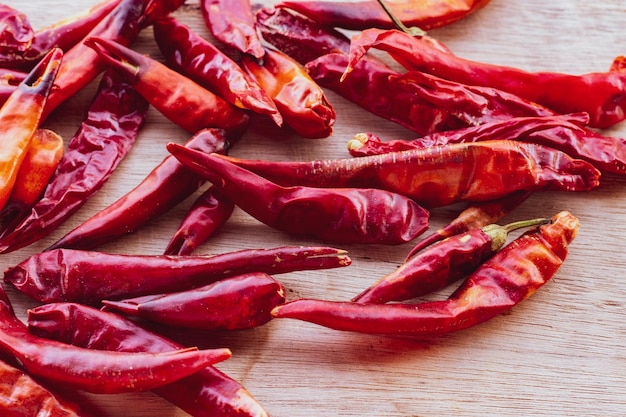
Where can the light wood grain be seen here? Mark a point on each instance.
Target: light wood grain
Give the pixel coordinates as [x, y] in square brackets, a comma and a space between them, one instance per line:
[560, 353]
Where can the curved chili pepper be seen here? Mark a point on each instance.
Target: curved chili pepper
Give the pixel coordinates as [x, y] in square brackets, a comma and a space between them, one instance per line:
[503, 281]
[16, 32]
[301, 102]
[97, 371]
[89, 277]
[207, 393]
[164, 187]
[441, 175]
[346, 215]
[210, 211]
[232, 22]
[197, 58]
[106, 135]
[177, 97]
[441, 264]
[9, 80]
[235, 303]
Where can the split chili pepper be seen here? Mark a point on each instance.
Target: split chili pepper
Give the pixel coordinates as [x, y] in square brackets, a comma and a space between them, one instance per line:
[168, 184]
[197, 58]
[236, 303]
[601, 94]
[96, 371]
[232, 22]
[365, 14]
[344, 215]
[301, 102]
[177, 97]
[441, 175]
[210, 211]
[207, 393]
[16, 32]
[442, 264]
[106, 135]
[89, 277]
[503, 281]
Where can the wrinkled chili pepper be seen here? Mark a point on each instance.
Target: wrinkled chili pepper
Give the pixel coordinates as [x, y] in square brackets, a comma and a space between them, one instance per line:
[345, 215]
[9, 80]
[235, 303]
[105, 136]
[207, 393]
[441, 264]
[16, 32]
[177, 97]
[503, 281]
[210, 211]
[601, 94]
[200, 60]
[96, 371]
[441, 175]
[164, 187]
[89, 277]
[232, 22]
[301, 102]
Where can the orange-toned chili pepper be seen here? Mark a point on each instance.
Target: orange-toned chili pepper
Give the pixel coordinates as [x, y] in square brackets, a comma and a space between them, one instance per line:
[503, 281]
[301, 102]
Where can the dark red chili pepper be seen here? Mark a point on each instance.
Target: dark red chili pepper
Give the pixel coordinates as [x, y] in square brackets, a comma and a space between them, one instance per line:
[301, 102]
[200, 60]
[207, 393]
[345, 215]
[96, 371]
[16, 33]
[89, 277]
[177, 97]
[77, 178]
[210, 211]
[441, 175]
[232, 22]
[235, 303]
[503, 281]
[164, 187]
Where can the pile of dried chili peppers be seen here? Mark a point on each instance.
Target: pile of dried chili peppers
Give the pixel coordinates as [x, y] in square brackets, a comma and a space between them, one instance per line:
[485, 135]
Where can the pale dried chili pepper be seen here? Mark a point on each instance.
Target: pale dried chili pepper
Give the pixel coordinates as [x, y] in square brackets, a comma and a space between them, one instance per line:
[503, 281]
[207, 393]
[89, 277]
[344, 215]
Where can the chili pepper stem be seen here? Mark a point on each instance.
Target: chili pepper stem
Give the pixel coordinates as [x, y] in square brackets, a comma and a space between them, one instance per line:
[499, 233]
[413, 30]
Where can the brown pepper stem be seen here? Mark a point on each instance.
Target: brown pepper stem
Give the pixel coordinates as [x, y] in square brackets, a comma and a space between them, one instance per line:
[413, 30]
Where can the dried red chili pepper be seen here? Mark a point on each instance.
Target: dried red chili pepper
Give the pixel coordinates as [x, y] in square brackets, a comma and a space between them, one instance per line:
[197, 58]
[96, 371]
[441, 175]
[345, 215]
[106, 135]
[503, 281]
[168, 184]
[9, 80]
[207, 393]
[301, 102]
[89, 277]
[235, 303]
[16, 32]
[232, 22]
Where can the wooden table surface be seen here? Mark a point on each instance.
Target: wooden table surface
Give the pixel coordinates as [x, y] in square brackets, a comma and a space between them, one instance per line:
[560, 353]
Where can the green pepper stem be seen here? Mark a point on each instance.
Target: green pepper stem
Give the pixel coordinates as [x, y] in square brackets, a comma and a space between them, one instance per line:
[526, 223]
[413, 30]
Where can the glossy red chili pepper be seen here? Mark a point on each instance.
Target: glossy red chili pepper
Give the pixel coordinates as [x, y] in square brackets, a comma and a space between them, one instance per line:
[236, 303]
[168, 184]
[16, 32]
[441, 175]
[441, 264]
[207, 393]
[301, 102]
[503, 281]
[345, 215]
[210, 211]
[77, 178]
[89, 277]
[200, 60]
[601, 94]
[96, 371]
[177, 97]
[365, 14]
[232, 22]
